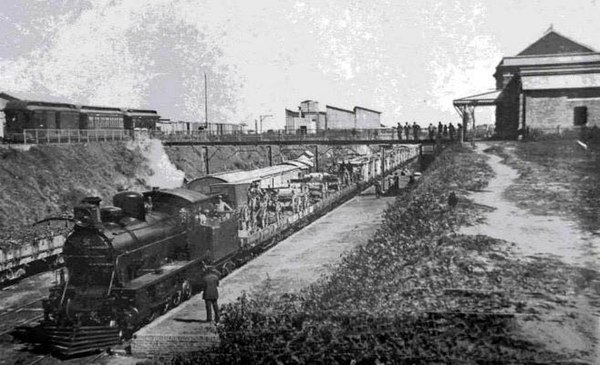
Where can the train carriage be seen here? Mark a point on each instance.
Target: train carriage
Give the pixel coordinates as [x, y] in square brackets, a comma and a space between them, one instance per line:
[46, 118]
[98, 117]
[234, 185]
[140, 119]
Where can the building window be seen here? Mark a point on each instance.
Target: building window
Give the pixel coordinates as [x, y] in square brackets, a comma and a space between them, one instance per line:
[580, 115]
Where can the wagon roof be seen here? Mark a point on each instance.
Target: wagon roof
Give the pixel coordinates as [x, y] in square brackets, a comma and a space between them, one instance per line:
[184, 196]
[252, 175]
[141, 113]
[99, 109]
[39, 105]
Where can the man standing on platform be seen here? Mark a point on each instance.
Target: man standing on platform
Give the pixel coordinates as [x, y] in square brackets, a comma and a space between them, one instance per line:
[399, 131]
[407, 131]
[416, 128]
[210, 282]
[378, 190]
[431, 130]
[452, 131]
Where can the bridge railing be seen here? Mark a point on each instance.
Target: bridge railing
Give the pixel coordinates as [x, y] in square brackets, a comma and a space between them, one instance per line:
[45, 136]
[382, 134]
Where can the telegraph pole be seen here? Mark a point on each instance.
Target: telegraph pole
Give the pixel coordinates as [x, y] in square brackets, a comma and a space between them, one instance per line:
[205, 102]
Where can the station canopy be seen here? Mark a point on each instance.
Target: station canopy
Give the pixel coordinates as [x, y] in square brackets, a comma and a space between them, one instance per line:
[484, 99]
[466, 106]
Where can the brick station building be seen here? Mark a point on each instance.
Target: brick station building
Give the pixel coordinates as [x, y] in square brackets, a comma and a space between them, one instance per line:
[551, 85]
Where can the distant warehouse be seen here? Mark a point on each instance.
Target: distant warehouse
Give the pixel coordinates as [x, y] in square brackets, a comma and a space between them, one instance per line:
[552, 84]
[309, 119]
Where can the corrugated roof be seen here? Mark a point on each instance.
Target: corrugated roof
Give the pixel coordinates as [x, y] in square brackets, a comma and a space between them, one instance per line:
[298, 164]
[242, 176]
[252, 175]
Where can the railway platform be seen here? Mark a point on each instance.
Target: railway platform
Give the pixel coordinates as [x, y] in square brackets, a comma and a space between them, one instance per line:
[291, 265]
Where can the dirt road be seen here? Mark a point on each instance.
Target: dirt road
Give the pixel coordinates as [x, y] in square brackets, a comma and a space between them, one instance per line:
[547, 234]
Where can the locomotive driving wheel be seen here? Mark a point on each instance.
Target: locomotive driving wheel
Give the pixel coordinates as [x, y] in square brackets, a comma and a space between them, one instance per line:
[153, 315]
[186, 290]
[165, 307]
[176, 299]
[228, 268]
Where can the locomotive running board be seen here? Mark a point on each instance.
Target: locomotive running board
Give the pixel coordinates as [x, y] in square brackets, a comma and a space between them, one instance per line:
[69, 341]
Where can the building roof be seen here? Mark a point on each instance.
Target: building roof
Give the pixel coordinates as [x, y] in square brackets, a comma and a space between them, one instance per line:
[486, 98]
[340, 109]
[370, 110]
[554, 43]
[291, 112]
[5, 96]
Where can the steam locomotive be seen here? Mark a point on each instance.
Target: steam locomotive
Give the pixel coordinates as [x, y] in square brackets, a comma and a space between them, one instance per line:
[131, 262]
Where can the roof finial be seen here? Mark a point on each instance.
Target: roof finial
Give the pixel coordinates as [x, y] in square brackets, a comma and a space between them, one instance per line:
[550, 29]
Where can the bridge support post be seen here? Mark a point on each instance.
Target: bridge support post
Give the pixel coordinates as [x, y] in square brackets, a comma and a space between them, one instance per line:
[382, 148]
[270, 154]
[206, 159]
[316, 158]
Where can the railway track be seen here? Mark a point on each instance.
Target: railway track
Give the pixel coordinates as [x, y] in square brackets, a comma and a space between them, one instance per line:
[48, 359]
[20, 316]
[7, 285]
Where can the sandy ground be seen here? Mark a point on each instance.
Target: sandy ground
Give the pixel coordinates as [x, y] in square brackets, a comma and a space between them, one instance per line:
[575, 327]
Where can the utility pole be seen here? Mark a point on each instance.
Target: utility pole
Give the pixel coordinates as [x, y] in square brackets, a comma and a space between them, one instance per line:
[205, 101]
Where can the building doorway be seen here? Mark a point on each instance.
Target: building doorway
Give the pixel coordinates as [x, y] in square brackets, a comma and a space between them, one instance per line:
[580, 115]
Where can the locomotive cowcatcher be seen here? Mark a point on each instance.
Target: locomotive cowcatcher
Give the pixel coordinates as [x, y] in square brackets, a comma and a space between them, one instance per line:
[128, 263]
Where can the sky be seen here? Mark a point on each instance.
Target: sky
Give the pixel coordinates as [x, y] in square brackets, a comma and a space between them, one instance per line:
[407, 59]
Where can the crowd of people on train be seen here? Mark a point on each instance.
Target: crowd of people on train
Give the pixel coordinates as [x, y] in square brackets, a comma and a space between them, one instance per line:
[412, 132]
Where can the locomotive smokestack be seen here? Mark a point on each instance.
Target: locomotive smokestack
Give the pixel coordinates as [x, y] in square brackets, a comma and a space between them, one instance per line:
[89, 212]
